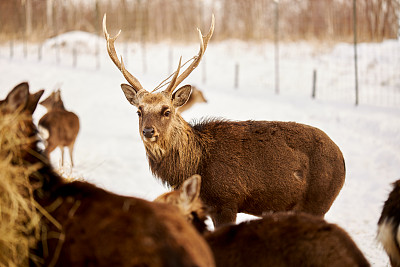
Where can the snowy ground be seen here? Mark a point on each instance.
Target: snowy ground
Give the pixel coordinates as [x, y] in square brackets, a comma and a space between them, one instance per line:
[109, 151]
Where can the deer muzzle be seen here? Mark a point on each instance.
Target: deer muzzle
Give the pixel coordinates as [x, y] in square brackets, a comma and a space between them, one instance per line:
[148, 132]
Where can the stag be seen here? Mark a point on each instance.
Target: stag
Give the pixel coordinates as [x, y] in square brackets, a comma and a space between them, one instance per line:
[59, 127]
[84, 225]
[277, 239]
[195, 97]
[389, 225]
[246, 166]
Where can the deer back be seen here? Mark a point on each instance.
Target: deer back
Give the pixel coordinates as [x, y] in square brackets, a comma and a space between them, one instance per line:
[105, 229]
[284, 239]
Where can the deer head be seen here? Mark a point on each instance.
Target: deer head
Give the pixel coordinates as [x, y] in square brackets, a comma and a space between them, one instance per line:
[16, 118]
[187, 200]
[53, 101]
[20, 100]
[157, 110]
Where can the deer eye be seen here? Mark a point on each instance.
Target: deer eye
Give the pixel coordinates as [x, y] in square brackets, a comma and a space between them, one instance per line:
[139, 113]
[167, 113]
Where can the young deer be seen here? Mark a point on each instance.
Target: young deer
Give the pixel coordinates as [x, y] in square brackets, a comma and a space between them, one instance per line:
[195, 97]
[389, 225]
[277, 239]
[84, 225]
[246, 166]
[59, 127]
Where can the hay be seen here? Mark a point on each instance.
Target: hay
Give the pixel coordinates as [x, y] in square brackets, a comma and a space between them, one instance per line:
[19, 219]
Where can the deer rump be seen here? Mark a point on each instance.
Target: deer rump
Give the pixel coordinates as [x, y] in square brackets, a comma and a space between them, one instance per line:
[258, 166]
[57, 123]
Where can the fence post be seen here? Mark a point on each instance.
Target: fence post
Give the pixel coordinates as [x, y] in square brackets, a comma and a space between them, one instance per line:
[314, 87]
[11, 48]
[74, 57]
[236, 75]
[276, 46]
[40, 50]
[355, 48]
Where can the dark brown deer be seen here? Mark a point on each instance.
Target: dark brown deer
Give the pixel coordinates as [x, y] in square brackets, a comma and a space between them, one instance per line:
[277, 239]
[246, 166]
[59, 127]
[195, 97]
[84, 225]
[389, 225]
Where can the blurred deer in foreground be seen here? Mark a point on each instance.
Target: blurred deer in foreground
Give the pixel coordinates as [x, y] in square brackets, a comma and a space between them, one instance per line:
[195, 97]
[58, 127]
[389, 225]
[83, 225]
[277, 239]
[246, 166]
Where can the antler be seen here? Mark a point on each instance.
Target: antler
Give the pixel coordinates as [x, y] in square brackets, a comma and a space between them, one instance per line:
[203, 46]
[120, 64]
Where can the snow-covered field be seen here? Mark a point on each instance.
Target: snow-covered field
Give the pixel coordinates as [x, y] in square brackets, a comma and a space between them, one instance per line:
[109, 151]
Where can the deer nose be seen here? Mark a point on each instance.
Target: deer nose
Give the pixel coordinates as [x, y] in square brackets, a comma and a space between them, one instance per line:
[148, 132]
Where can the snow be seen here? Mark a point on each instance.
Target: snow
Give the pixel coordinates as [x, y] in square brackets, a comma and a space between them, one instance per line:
[109, 151]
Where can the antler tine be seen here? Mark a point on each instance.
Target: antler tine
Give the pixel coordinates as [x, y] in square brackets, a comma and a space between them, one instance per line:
[113, 55]
[203, 46]
[173, 80]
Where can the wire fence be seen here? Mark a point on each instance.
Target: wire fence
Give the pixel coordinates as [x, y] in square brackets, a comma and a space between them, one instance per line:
[331, 26]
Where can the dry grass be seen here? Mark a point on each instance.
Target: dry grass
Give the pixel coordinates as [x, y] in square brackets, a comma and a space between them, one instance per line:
[19, 227]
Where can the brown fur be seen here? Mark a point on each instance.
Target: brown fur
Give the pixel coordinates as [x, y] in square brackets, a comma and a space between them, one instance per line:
[277, 239]
[62, 126]
[389, 225]
[246, 166]
[195, 97]
[284, 239]
[84, 225]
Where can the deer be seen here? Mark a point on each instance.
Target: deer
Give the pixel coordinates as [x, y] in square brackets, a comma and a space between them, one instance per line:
[246, 166]
[388, 233]
[58, 127]
[84, 225]
[276, 239]
[195, 97]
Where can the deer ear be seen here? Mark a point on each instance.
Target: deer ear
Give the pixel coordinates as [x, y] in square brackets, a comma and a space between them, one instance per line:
[18, 97]
[130, 94]
[34, 100]
[191, 189]
[181, 95]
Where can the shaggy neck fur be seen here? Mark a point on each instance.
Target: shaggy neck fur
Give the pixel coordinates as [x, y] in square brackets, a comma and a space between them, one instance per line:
[177, 157]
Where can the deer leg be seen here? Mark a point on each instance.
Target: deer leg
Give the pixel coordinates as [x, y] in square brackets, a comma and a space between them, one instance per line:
[224, 216]
[49, 148]
[62, 155]
[71, 150]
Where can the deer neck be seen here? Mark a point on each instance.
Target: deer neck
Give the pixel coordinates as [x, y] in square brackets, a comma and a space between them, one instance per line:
[177, 157]
[59, 105]
[44, 179]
